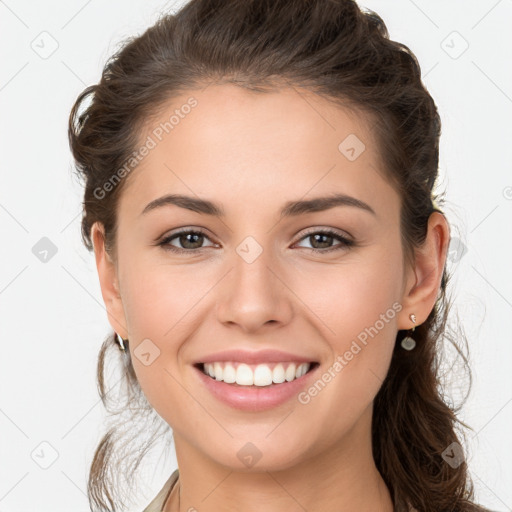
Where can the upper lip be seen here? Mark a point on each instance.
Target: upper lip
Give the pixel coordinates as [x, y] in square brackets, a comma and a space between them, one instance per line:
[259, 356]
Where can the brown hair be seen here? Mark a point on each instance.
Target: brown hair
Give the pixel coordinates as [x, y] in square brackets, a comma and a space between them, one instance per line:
[343, 53]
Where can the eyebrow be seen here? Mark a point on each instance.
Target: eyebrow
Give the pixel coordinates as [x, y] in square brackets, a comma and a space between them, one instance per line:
[290, 209]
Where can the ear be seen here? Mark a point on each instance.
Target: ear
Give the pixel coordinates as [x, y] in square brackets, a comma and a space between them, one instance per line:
[109, 282]
[424, 280]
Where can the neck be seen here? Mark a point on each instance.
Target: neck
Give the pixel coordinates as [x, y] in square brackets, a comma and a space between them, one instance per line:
[343, 478]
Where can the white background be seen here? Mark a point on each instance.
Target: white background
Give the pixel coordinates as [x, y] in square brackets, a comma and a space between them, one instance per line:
[52, 315]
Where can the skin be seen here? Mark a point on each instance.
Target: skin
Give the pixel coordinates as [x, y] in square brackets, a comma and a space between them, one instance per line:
[252, 153]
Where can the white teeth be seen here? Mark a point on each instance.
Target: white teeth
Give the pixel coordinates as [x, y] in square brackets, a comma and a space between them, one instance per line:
[290, 373]
[229, 374]
[263, 375]
[278, 375]
[244, 375]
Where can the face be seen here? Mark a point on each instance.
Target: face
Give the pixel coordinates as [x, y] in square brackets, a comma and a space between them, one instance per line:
[322, 284]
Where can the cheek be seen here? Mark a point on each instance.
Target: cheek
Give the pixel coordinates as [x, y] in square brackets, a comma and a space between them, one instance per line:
[353, 295]
[156, 300]
[159, 298]
[355, 307]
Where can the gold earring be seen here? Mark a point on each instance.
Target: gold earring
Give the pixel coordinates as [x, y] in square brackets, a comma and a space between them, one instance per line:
[408, 343]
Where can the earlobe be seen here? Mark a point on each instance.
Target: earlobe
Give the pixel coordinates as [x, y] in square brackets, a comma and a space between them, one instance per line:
[430, 260]
[108, 281]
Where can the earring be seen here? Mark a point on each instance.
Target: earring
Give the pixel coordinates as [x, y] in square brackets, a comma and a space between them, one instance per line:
[408, 343]
[121, 342]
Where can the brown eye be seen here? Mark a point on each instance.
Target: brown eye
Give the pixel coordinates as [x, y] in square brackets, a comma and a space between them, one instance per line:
[192, 241]
[189, 241]
[321, 241]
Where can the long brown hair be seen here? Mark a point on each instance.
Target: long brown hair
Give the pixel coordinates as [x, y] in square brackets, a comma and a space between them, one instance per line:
[343, 53]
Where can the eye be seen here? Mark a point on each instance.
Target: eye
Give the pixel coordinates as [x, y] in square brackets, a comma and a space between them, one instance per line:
[192, 240]
[189, 239]
[323, 237]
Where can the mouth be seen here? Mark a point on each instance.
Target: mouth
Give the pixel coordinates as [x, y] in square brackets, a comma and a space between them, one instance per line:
[256, 375]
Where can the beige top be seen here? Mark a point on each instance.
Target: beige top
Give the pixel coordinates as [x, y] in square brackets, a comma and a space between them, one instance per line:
[158, 502]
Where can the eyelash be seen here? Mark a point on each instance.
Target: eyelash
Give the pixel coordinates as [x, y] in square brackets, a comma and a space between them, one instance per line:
[345, 242]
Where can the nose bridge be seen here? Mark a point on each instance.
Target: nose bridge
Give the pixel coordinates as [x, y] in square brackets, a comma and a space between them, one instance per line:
[251, 266]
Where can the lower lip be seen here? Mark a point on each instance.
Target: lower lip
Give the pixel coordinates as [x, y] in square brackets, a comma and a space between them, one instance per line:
[255, 398]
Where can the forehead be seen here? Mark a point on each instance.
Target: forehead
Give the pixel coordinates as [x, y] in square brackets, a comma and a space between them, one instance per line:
[235, 143]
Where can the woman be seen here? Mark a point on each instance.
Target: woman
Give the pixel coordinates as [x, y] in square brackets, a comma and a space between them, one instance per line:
[259, 194]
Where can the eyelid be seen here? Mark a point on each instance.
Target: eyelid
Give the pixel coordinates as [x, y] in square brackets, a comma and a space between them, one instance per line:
[332, 231]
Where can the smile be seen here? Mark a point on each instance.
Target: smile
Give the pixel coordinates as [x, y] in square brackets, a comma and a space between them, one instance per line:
[266, 374]
[251, 387]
